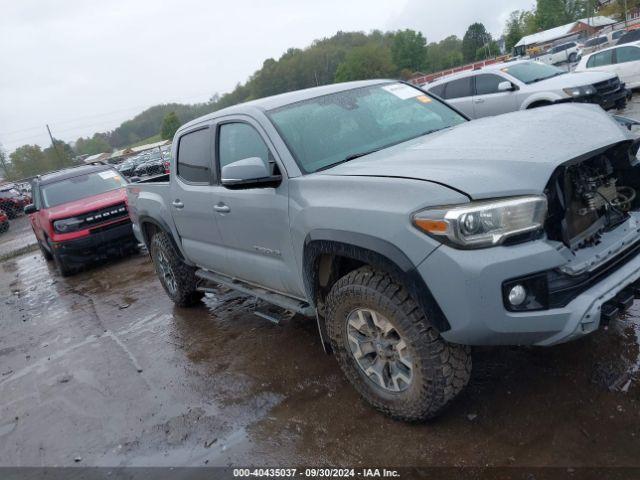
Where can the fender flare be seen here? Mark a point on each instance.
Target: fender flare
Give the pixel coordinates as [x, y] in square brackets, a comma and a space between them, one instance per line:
[144, 220]
[373, 251]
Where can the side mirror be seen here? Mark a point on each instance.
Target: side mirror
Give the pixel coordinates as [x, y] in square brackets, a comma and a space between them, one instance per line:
[134, 179]
[506, 87]
[248, 172]
[29, 209]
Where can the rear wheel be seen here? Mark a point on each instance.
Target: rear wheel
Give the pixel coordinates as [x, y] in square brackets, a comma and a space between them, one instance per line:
[387, 349]
[4, 226]
[177, 278]
[573, 57]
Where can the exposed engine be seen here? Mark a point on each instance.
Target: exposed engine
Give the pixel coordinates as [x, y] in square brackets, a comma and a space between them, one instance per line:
[590, 198]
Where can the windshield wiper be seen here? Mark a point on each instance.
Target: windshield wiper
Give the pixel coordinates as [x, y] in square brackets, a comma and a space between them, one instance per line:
[539, 79]
[348, 158]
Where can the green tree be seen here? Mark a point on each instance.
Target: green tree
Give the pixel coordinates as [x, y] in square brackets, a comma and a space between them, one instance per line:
[368, 61]
[446, 53]
[28, 161]
[93, 145]
[474, 39]
[513, 30]
[170, 125]
[408, 50]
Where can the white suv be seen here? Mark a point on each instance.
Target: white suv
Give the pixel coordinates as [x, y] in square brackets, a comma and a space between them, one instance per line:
[566, 52]
[519, 85]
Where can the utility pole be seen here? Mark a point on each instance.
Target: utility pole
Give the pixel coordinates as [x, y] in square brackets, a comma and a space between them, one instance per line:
[55, 147]
[626, 24]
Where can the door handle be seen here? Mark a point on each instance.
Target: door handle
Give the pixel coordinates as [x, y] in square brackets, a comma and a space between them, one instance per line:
[178, 204]
[222, 208]
[479, 100]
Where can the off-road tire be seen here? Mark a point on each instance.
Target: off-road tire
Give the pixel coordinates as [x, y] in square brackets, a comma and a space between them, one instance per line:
[63, 267]
[440, 369]
[185, 293]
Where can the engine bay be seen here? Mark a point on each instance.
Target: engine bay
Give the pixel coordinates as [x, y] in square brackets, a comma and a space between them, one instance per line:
[590, 197]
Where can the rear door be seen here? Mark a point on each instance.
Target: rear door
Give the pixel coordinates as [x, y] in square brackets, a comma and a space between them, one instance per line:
[627, 64]
[255, 221]
[488, 100]
[192, 197]
[459, 93]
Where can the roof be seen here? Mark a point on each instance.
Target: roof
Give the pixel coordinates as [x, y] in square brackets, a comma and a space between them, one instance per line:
[149, 146]
[467, 73]
[71, 173]
[562, 31]
[97, 156]
[277, 101]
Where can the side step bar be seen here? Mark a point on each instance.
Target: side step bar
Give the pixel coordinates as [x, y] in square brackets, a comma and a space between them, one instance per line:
[282, 301]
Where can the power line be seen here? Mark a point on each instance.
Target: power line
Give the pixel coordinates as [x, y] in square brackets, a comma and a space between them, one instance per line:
[76, 119]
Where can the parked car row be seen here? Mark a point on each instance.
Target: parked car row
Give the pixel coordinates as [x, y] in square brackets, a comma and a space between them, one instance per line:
[524, 84]
[146, 164]
[12, 200]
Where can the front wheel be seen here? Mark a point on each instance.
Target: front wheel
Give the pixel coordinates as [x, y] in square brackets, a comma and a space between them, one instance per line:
[388, 350]
[573, 57]
[177, 278]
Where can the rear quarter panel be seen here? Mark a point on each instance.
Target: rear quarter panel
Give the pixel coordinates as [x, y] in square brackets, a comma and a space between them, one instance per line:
[148, 204]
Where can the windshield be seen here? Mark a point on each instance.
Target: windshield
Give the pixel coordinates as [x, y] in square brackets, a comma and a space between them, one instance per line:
[79, 187]
[531, 72]
[327, 130]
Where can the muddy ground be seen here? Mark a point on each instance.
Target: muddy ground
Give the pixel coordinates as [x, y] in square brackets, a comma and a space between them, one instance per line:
[101, 369]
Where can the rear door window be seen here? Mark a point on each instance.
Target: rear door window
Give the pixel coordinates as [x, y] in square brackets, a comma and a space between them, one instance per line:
[627, 54]
[194, 156]
[463, 87]
[600, 59]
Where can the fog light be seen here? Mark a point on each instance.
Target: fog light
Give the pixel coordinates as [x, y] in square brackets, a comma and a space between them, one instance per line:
[517, 295]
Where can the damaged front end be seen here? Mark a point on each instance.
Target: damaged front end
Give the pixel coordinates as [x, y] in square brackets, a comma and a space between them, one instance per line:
[594, 210]
[593, 195]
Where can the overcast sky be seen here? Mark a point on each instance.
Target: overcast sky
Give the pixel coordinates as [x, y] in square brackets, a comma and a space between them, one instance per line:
[86, 65]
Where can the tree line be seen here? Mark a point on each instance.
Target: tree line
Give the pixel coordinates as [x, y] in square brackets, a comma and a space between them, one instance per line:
[342, 57]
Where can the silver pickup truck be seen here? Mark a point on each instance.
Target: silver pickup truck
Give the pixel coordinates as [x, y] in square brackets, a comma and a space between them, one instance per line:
[407, 231]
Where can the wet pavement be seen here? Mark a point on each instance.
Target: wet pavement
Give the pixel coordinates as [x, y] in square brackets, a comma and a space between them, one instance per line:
[101, 367]
[18, 238]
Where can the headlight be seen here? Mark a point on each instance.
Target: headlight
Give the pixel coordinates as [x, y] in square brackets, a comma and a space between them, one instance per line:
[580, 91]
[485, 223]
[67, 225]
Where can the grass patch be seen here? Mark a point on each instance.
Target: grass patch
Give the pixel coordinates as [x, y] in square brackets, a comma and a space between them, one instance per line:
[154, 139]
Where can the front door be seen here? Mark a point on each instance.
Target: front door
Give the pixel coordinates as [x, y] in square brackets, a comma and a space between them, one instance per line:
[192, 197]
[488, 100]
[255, 221]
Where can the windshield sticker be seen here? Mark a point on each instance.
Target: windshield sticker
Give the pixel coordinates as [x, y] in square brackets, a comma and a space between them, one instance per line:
[108, 174]
[402, 91]
[423, 99]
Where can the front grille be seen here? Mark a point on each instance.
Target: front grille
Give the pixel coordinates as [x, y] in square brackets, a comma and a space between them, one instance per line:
[608, 86]
[103, 215]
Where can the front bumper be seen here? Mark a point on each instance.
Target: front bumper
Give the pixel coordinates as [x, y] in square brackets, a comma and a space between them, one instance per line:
[611, 99]
[102, 243]
[467, 284]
